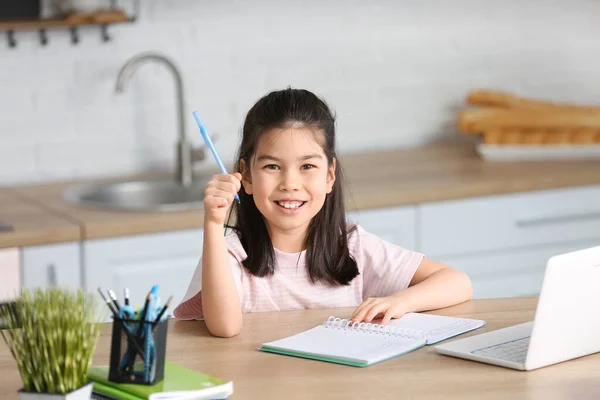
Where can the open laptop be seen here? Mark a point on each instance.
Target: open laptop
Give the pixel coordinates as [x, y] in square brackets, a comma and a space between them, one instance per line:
[566, 324]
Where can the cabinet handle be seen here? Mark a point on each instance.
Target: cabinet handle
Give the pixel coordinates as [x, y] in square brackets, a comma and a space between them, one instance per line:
[51, 271]
[527, 222]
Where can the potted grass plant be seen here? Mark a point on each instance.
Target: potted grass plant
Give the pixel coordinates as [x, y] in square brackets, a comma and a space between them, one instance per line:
[52, 335]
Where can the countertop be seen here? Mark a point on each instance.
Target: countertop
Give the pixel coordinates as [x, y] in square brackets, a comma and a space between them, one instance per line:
[31, 224]
[375, 180]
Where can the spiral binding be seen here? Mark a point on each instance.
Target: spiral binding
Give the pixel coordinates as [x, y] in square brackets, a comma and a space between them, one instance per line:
[370, 328]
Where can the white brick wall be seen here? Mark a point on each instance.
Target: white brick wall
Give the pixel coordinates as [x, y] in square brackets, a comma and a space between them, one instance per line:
[395, 72]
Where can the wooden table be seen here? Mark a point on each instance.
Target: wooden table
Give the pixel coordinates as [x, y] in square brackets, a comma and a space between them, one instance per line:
[422, 374]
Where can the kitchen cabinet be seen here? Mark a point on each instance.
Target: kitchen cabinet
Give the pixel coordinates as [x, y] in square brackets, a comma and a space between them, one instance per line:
[51, 265]
[139, 262]
[503, 242]
[510, 273]
[10, 271]
[522, 220]
[395, 224]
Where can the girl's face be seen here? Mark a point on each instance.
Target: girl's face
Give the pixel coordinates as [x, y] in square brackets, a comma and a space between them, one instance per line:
[289, 178]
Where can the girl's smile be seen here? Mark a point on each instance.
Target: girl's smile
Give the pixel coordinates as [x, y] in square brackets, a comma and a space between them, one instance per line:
[290, 206]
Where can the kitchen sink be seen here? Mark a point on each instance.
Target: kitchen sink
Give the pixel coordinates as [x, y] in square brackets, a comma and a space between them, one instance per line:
[166, 195]
[183, 192]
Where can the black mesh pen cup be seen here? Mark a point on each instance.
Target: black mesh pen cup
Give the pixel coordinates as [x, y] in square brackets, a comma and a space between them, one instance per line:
[137, 351]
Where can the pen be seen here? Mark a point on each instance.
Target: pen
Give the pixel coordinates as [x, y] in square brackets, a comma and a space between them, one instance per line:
[162, 311]
[211, 146]
[142, 315]
[141, 331]
[148, 342]
[113, 296]
[110, 306]
[126, 296]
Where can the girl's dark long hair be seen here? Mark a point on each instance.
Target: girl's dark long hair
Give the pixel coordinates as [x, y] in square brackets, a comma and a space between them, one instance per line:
[327, 255]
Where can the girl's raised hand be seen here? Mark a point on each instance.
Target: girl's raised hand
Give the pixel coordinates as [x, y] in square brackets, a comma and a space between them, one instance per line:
[219, 195]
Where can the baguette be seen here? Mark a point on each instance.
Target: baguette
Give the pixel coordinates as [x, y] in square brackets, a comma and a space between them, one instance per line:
[582, 136]
[494, 98]
[534, 136]
[539, 136]
[492, 137]
[480, 120]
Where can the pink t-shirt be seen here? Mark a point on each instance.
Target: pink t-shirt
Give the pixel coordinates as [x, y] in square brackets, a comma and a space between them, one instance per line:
[385, 268]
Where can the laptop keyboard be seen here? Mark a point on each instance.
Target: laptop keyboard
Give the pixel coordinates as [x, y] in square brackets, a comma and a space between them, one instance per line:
[515, 350]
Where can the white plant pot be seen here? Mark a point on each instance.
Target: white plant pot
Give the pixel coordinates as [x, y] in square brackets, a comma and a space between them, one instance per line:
[83, 393]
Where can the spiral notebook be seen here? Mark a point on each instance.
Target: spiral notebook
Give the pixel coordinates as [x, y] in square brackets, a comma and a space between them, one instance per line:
[360, 345]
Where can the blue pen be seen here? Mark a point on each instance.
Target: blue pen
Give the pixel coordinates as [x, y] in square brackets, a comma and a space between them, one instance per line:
[211, 146]
[149, 353]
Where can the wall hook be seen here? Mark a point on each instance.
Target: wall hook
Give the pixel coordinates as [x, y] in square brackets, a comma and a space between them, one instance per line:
[105, 36]
[74, 35]
[43, 37]
[10, 35]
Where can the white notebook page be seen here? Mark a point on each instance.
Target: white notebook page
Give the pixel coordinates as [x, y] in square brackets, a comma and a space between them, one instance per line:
[347, 344]
[437, 327]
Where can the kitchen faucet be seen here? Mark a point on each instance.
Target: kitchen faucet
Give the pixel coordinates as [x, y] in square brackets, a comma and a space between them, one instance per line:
[186, 155]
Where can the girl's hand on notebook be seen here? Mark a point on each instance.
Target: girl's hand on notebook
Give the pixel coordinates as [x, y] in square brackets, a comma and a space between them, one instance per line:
[219, 195]
[379, 307]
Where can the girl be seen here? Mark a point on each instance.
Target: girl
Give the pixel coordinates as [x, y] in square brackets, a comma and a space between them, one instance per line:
[291, 247]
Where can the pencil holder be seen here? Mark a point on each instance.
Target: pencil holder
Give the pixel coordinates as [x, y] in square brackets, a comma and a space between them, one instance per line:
[137, 351]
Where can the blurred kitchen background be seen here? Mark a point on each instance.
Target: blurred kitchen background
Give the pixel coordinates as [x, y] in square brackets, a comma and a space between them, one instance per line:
[396, 72]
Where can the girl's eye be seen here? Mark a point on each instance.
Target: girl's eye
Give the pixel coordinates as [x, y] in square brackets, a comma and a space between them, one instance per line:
[308, 166]
[271, 166]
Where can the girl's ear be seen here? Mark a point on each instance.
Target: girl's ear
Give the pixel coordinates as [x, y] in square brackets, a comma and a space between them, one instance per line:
[246, 177]
[331, 176]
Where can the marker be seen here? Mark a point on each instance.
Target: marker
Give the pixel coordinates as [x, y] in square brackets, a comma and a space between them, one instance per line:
[211, 146]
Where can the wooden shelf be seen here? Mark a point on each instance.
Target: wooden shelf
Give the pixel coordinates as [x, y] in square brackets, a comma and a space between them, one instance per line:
[61, 23]
[72, 21]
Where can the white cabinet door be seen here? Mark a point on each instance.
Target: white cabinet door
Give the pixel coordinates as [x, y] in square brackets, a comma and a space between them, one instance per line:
[510, 273]
[490, 224]
[167, 259]
[396, 225]
[10, 274]
[52, 265]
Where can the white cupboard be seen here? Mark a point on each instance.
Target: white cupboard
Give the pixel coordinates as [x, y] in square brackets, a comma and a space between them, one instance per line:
[167, 259]
[51, 265]
[395, 224]
[503, 242]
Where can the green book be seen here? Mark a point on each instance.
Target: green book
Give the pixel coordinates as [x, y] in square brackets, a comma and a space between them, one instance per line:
[178, 382]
